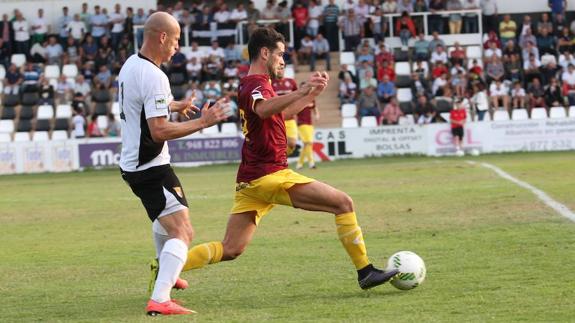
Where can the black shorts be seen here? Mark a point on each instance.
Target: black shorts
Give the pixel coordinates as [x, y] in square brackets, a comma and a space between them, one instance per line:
[457, 132]
[159, 189]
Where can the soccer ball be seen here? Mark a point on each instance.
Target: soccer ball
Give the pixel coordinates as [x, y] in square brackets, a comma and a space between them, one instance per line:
[474, 152]
[411, 270]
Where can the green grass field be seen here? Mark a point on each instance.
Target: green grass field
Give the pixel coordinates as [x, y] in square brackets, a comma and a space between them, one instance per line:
[75, 247]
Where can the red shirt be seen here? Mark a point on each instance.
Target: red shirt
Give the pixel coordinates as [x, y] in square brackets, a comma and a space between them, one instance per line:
[457, 115]
[304, 116]
[437, 71]
[300, 16]
[264, 149]
[382, 71]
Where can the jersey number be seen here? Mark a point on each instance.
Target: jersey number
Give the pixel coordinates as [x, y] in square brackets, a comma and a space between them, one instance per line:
[244, 123]
[122, 115]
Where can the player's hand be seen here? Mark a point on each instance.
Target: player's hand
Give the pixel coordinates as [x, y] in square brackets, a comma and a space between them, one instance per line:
[317, 83]
[186, 108]
[218, 112]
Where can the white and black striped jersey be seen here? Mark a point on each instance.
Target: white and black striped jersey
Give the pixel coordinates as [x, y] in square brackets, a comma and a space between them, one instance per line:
[144, 92]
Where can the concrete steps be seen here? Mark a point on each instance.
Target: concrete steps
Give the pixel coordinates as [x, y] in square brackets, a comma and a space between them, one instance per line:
[327, 102]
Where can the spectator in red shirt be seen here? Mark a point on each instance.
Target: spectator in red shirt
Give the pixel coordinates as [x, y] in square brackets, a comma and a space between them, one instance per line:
[300, 18]
[438, 70]
[385, 70]
[458, 117]
[384, 55]
[405, 28]
[458, 54]
[492, 38]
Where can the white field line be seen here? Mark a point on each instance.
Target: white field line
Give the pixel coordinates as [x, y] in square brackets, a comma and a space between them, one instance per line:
[549, 201]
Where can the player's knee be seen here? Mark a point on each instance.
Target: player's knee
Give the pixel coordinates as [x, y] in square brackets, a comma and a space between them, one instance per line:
[184, 233]
[345, 203]
[231, 252]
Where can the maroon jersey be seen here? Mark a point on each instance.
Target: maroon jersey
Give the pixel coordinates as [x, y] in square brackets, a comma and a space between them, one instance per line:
[264, 149]
[284, 86]
[304, 116]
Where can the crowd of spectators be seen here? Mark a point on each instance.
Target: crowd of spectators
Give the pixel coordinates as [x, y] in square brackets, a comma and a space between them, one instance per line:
[521, 64]
[525, 64]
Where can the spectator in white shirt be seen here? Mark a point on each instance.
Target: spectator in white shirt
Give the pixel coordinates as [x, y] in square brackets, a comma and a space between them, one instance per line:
[315, 12]
[117, 20]
[499, 94]
[439, 83]
[223, 15]
[39, 27]
[439, 54]
[194, 69]
[216, 50]
[492, 50]
[239, 14]
[77, 29]
[518, 96]
[81, 86]
[21, 34]
[196, 52]
[480, 100]
[178, 10]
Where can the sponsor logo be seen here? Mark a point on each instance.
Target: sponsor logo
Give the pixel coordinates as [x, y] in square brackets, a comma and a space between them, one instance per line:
[106, 157]
[179, 191]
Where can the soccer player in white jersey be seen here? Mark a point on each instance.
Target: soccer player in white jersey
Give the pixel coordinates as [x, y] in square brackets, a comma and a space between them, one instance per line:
[146, 102]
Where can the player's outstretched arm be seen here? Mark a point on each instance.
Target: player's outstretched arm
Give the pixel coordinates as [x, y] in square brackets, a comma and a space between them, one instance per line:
[161, 129]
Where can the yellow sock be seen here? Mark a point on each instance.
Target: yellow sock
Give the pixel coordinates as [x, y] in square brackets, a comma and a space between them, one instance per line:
[308, 151]
[204, 254]
[351, 237]
[302, 156]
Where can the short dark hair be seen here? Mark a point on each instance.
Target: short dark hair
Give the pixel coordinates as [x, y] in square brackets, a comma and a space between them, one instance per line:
[263, 38]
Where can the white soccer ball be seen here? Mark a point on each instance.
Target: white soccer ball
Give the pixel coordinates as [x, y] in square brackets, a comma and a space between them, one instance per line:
[474, 152]
[411, 270]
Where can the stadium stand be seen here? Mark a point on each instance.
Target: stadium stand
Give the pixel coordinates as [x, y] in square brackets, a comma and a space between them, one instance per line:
[40, 136]
[349, 123]
[539, 113]
[30, 94]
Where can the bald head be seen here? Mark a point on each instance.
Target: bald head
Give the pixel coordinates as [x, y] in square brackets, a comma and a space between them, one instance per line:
[161, 22]
[161, 37]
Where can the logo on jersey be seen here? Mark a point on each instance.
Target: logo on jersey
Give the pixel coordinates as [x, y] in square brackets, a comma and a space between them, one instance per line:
[161, 101]
[256, 94]
[179, 191]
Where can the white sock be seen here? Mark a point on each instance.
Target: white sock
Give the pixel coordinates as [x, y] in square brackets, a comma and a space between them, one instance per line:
[160, 237]
[172, 260]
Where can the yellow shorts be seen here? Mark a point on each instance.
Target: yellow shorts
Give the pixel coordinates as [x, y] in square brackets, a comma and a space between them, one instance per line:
[262, 194]
[305, 132]
[291, 129]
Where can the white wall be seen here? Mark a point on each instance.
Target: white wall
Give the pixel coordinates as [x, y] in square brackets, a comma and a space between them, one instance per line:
[53, 8]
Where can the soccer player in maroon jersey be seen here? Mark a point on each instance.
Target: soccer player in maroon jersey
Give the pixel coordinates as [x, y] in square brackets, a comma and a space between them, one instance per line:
[264, 179]
[305, 131]
[284, 85]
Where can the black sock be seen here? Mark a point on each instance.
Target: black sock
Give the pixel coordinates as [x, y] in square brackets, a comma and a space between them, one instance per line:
[363, 272]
